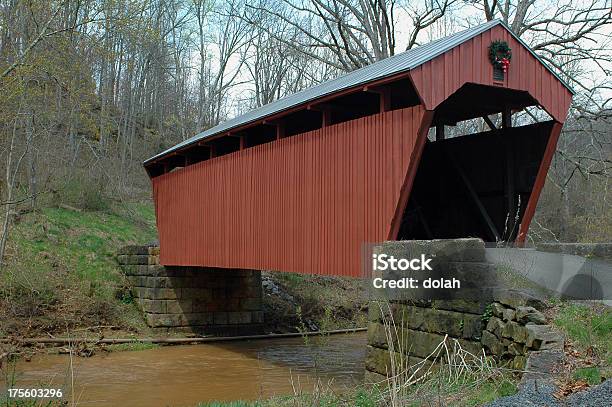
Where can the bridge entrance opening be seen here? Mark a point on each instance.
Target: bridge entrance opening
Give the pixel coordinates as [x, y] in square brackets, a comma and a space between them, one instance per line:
[476, 185]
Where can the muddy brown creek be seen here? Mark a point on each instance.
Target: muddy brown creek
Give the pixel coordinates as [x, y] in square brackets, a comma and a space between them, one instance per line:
[186, 375]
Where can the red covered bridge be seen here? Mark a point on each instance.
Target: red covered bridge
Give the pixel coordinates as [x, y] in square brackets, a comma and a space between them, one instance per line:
[300, 184]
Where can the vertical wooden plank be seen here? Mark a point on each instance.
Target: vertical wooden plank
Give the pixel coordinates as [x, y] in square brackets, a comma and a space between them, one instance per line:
[415, 157]
[427, 85]
[436, 68]
[487, 67]
[539, 182]
[448, 66]
[476, 60]
[457, 78]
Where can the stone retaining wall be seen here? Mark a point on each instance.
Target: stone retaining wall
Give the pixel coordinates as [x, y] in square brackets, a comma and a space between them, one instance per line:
[202, 300]
[507, 326]
[513, 329]
[420, 327]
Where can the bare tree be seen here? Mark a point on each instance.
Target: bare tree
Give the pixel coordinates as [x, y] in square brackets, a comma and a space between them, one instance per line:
[356, 32]
[100, 85]
[572, 37]
[13, 164]
[222, 36]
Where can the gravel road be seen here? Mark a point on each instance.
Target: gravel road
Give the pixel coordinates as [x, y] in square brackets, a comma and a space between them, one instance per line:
[541, 394]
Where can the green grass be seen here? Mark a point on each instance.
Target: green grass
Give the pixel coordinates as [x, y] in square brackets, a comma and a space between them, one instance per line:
[488, 392]
[591, 375]
[291, 279]
[359, 398]
[132, 346]
[465, 394]
[83, 242]
[589, 326]
[61, 269]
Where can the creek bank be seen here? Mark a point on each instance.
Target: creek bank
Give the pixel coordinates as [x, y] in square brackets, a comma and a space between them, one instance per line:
[301, 303]
[292, 305]
[222, 302]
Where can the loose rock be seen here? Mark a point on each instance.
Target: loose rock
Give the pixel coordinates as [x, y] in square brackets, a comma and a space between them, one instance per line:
[530, 314]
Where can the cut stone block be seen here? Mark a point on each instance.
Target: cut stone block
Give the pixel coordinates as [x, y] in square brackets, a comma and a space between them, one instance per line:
[517, 332]
[543, 337]
[202, 298]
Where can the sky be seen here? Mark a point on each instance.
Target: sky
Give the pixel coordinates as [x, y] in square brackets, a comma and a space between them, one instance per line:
[459, 18]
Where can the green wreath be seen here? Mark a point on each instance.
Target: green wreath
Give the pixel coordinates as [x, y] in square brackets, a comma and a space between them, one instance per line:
[500, 54]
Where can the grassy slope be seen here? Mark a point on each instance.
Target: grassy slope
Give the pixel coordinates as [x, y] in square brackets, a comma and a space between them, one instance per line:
[86, 242]
[587, 328]
[61, 271]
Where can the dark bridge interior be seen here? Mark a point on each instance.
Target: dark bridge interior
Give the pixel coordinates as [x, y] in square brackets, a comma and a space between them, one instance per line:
[476, 185]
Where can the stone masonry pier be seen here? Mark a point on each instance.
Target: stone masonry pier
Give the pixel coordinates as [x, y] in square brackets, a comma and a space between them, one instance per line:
[201, 300]
[507, 325]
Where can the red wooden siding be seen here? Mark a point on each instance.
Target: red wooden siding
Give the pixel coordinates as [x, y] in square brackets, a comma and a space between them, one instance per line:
[301, 204]
[469, 62]
[413, 166]
[539, 183]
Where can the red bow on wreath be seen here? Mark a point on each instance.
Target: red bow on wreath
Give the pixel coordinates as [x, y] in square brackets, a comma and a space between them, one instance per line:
[505, 63]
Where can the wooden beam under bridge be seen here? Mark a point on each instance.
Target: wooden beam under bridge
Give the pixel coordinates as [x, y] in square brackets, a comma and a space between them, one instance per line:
[483, 211]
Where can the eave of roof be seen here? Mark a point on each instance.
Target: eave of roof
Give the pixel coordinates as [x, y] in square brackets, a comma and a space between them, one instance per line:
[380, 70]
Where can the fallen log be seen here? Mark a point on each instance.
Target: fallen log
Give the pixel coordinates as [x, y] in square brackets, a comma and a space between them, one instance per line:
[176, 341]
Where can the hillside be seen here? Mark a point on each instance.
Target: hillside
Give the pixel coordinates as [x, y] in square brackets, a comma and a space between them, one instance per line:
[61, 279]
[60, 270]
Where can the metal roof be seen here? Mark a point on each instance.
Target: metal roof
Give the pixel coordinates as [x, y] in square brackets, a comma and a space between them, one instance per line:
[396, 64]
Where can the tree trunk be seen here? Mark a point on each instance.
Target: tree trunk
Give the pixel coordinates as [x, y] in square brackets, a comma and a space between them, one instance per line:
[32, 179]
[9, 195]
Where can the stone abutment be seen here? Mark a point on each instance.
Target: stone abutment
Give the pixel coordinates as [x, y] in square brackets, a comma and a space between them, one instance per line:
[507, 324]
[200, 300]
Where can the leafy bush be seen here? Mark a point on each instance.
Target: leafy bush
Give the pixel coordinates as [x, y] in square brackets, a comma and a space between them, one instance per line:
[27, 294]
[124, 294]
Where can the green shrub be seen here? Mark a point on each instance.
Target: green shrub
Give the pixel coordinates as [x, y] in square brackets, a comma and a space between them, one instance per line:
[124, 294]
[83, 192]
[291, 279]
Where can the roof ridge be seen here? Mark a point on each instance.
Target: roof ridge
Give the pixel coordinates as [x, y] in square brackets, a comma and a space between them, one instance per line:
[387, 59]
[393, 65]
